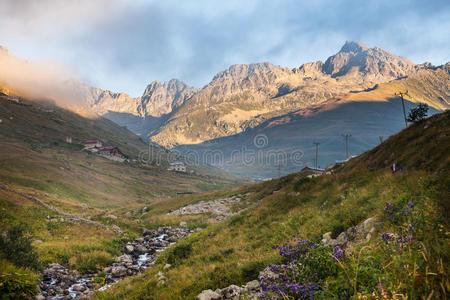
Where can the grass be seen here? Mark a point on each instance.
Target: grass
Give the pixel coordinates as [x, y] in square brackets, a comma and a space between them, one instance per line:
[248, 238]
[233, 251]
[35, 160]
[17, 283]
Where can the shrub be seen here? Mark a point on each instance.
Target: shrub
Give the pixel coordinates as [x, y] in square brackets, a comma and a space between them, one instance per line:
[336, 229]
[16, 247]
[251, 271]
[418, 113]
[178, 253]
[17, 283]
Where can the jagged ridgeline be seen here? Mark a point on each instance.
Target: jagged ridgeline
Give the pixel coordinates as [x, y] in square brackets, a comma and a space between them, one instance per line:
[353, 92]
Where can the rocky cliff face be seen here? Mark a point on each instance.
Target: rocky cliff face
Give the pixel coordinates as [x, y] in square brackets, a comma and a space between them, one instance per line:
[362, 64]
[244, 96]
[160, 99]
[103, 101]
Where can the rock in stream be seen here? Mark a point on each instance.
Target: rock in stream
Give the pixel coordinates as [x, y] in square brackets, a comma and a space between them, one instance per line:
[59, 282]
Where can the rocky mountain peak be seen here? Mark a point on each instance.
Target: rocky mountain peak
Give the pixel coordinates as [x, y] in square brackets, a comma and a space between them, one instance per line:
[362, 64]
[244, 70]
[242, 77]
[355, 47]
[159, 99]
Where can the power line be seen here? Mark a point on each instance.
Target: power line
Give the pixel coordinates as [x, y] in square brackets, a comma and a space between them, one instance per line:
[347, 136]
[402, 94]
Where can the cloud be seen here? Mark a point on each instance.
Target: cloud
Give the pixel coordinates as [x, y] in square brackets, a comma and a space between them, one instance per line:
[41, 80]
[123, 46]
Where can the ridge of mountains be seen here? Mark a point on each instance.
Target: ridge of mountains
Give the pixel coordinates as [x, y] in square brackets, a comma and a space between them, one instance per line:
[353, 91]
[246, 95]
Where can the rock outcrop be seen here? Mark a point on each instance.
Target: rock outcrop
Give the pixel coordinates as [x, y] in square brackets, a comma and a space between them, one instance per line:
[221, 208]
[353, 235]
[249, 291]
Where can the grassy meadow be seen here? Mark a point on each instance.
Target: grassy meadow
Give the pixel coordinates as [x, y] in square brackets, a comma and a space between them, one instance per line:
[233, 252]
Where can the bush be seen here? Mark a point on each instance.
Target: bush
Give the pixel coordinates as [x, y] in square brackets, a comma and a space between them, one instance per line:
[336, 229]
[17, 283]
[16, 247]
[419, 113]
[251, 271]
[178, 253]
[91, 261]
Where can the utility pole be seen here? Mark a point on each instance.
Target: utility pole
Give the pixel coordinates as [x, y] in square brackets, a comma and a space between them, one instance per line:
[347, 135]
[402, 94]
[317, 155]
[279, 169]
[381, 139]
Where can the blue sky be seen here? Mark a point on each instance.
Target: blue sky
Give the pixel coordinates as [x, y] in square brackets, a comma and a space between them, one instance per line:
[124, 45]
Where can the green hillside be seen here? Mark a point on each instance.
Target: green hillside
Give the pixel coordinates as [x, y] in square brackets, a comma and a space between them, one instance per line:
[78, 207]
[305, 207]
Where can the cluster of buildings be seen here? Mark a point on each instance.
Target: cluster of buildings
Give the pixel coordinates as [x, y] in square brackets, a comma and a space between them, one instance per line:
[109, 152]
[177, 166]
[114, 153]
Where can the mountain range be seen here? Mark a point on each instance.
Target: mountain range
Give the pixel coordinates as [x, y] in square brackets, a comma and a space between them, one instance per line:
[352, 92]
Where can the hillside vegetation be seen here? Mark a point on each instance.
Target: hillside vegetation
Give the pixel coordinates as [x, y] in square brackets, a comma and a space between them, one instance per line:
[414, 202]
[75, 207]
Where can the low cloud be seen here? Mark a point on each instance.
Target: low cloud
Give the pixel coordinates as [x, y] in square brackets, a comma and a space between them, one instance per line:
[39, 81]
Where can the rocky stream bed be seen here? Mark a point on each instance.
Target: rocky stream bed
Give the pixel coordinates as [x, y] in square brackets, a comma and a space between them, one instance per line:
[59, 282]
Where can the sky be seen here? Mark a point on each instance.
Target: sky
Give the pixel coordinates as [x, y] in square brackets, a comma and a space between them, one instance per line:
[124, 45]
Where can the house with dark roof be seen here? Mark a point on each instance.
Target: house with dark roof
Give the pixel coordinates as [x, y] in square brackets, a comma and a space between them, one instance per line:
[112, 153]
[92, 144]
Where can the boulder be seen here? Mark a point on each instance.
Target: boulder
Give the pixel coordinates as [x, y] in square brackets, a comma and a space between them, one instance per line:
[326, 238]
[141, 249]
[341, 240]
[129, 248]
[39, 297]
[266, 273]
[231, 292]
[252, 285]
[79, 288]
[208, 295]
[119, 271]
[125, 259]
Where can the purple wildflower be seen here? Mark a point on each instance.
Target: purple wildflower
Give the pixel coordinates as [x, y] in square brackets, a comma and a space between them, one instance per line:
[389, 208]
[387, 237]
[337, 254]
